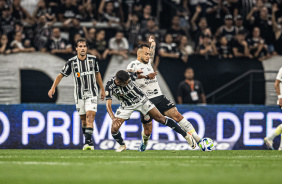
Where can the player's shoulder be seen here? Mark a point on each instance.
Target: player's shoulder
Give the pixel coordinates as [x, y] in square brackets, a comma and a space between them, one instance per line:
[91, 56]
[72, 59]
[111, 83]
[134, 63]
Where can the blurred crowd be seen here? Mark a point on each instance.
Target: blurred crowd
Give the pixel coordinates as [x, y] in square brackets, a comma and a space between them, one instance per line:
[212, 28]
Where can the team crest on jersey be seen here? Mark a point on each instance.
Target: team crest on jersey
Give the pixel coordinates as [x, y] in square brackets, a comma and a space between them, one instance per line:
[107, 93]
[118, 112]
[77, 74]
[78, 109]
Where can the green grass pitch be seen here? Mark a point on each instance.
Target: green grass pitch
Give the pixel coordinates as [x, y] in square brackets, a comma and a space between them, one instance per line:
[76, 166]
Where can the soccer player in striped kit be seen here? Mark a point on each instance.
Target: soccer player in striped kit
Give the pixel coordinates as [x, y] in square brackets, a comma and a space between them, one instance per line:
[131, 99]
[85, 70]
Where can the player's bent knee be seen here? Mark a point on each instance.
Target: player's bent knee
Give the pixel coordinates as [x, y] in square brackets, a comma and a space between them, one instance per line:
[177, 117]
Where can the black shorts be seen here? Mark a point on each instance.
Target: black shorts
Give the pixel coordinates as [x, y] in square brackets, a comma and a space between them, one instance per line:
[162, 103]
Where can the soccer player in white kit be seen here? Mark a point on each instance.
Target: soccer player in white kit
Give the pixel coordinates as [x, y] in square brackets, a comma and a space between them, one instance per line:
[278, 88]
[85, 70]
[148, 83]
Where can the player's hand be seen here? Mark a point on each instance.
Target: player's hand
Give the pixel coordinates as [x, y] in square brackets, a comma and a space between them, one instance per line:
[151, 40]
[152, 75]
[102, 95]
[51, 92]
[138, 72]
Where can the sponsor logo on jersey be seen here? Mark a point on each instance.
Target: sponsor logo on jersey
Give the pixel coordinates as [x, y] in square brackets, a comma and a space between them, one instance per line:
[77, 74]
[156, 91]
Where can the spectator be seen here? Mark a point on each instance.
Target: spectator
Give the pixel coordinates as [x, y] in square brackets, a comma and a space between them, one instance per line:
[257, 47]
[133, 28]
[197, 31]
[215, 12]
[42, 33]
[90, 36]
[240, 46]
[190, 91]
[224, 49]
[18, 46]
[76, 29]
[66, 12]
[137, 9]
[108, 15]
[169, 49]
[19, 13]
[227, 30]
[277, 31]
[53, 4]
[118, 45]
[232, 7]
[264, 23]
[147, 11]
[176, 31]
[42, 9]
[111, 11]
[239, 24]
[151, 29]
[89, 14]
[207, 47]
[4, 47]
[185, 49]
[7, 22]
[57, 44]
[254, 13]
[99, 47]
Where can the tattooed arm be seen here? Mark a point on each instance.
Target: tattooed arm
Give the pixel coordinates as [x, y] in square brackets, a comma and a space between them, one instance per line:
[152, 49]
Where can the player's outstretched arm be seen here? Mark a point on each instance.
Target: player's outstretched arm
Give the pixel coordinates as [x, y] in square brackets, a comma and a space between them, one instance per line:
[100, 83]
[55, 84]
[152, 49]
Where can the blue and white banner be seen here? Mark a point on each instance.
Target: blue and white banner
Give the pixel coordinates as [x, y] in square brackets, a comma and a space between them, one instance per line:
[44, 126]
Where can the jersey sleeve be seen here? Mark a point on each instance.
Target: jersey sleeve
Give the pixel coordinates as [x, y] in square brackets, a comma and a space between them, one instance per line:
[96, 67]
[66, 71]
[133, 76]
[108, 91]
[131, 66]
[279, 75]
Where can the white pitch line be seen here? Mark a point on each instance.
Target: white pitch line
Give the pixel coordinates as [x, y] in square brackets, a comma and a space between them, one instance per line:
[120, 156]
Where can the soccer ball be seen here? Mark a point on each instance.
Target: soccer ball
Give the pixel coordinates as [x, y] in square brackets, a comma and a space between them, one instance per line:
[206, 144]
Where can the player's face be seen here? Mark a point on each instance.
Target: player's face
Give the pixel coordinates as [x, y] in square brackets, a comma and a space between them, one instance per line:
[122, 84]
[189, 74]
[81, 48]
[145, 55]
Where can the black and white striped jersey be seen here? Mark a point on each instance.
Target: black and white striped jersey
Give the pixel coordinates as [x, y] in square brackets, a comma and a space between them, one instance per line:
[85, 85]
[128, 95]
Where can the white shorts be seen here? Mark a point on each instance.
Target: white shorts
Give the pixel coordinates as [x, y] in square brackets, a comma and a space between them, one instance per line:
[125, 112]
[89, 104]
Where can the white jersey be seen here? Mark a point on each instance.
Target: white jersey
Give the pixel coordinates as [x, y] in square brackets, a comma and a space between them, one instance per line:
[279, 77]
[149, 86]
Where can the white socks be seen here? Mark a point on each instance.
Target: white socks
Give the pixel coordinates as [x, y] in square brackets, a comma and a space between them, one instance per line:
[145, 138]
[188, 127]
